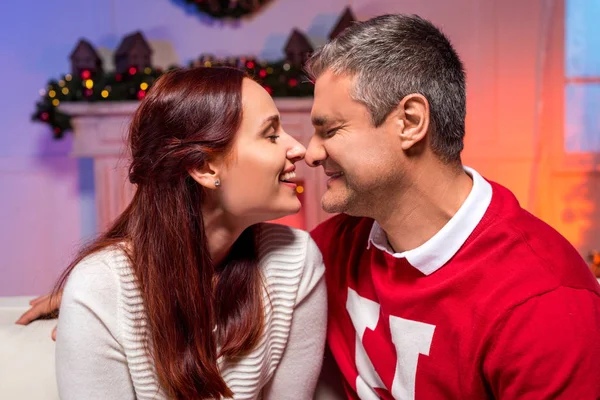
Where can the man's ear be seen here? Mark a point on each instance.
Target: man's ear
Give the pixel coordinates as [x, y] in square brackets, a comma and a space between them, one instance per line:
[412, 119]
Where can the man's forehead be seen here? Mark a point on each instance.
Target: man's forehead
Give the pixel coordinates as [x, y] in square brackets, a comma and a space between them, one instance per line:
[332, 102]
[325, 111]
[326, 101]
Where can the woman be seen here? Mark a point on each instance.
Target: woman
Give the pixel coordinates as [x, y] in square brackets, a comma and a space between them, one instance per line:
[188, 295]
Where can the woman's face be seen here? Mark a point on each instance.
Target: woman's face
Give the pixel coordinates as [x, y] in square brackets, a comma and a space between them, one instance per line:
[257, 182]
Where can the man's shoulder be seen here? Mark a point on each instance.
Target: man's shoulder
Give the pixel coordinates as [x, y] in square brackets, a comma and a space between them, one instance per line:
[527, 253]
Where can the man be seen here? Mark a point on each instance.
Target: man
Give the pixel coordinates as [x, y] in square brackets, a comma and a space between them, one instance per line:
[440, 285]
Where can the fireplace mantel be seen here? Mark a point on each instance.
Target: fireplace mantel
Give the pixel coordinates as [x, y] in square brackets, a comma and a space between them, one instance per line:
[100, 131]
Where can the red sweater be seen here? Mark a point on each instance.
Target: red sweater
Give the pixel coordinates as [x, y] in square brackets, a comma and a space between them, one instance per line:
[514, 313]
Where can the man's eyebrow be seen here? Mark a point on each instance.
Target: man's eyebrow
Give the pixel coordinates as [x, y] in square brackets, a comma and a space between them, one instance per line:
[320, 121]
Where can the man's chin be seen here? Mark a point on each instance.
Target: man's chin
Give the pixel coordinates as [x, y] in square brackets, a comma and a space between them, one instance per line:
[333, 206]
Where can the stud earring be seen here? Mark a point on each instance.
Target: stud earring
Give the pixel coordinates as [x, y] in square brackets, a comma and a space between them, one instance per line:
[217, 182]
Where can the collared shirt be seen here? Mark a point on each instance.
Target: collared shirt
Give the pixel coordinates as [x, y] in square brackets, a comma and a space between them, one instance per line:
[433, 254]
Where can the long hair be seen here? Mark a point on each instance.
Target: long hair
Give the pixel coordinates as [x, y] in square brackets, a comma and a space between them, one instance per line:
[188, 117]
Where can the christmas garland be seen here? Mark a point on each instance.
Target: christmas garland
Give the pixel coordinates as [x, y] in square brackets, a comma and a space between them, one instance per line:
[221, 9]
[280, 79]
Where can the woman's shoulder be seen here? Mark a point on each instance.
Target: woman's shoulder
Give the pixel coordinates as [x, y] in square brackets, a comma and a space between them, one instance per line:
[287, 232]
[289, 257]
[98, 274]
[281, 242]
[107, 261]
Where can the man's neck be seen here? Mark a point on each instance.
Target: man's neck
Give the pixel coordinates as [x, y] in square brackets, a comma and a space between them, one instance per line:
[420, 209]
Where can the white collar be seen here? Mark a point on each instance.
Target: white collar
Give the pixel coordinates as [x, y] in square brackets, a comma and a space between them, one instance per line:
[433, 254]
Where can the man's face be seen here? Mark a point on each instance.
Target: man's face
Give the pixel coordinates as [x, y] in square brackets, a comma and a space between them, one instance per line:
[362, 161]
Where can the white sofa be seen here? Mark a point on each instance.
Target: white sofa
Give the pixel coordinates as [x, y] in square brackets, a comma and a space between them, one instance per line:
[27, 369]
[26, 354]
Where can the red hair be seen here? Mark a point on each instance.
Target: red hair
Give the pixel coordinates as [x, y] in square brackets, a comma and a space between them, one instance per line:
[188, 117]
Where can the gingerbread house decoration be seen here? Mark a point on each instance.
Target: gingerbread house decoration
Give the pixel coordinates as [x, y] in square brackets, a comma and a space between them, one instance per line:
[85, 58]
[134, 51]
[346, 19]
[298, 48]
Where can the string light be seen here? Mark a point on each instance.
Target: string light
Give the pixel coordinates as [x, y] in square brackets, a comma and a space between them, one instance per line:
[299, 189]
[282, 79]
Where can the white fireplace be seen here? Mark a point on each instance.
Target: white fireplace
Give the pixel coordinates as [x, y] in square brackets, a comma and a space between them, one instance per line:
[100, 131]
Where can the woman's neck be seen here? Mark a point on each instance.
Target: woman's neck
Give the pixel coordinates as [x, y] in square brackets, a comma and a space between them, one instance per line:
[220, 233]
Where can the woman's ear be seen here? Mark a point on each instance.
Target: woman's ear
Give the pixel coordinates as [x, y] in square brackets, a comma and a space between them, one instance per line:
[207, 175]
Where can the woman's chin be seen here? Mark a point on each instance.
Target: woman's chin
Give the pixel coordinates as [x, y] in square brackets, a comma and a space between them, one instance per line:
[289, 209]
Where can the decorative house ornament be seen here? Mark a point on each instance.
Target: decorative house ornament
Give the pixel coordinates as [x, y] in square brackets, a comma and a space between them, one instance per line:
[346, 19]
[133, 52]
[85, 58]
[298, 48]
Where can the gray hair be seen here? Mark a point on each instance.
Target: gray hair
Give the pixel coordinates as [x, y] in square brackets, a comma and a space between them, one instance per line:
[392, 56]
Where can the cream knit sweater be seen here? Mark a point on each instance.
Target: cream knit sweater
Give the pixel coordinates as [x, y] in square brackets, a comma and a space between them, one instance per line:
[98, 355]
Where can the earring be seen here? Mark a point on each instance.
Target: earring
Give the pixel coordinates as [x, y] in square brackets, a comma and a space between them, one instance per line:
[217, 182]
